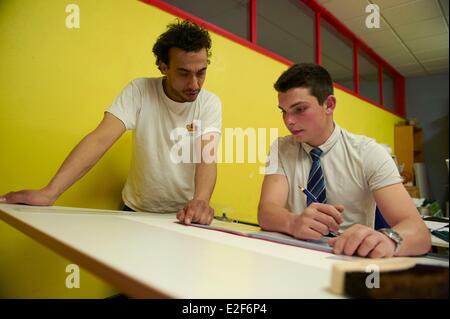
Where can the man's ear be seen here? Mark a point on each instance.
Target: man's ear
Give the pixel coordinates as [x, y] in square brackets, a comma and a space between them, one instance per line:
[163, 67]
[330, 104]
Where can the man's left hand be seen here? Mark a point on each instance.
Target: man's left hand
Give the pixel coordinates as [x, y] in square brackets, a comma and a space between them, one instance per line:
[196, 211]
[363, 241]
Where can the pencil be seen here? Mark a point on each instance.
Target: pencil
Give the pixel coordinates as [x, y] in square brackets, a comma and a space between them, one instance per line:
[309, 194]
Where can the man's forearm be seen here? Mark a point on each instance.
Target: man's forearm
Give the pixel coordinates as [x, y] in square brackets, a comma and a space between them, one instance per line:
[416, 237]
[76, 165]
[272, 217]
[205, 180]
[86, 154]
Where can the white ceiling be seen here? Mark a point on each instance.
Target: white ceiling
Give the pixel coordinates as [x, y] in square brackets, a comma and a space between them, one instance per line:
[413, 35]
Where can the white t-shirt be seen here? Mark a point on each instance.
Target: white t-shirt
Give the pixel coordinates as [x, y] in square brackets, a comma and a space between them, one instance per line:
[160, 178]
[353, 166]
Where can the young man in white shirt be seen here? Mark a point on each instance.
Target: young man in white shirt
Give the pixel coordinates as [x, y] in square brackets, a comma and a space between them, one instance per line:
[348, 175]
[164, 113]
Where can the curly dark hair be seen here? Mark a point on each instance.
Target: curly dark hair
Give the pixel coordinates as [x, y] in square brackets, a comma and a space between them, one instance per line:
[307, 75]
[184, 35]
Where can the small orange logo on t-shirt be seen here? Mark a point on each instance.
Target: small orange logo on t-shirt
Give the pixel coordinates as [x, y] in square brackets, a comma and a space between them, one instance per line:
[190, 127]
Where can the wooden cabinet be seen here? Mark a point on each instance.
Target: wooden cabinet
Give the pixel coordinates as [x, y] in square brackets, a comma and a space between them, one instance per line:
[408, 145]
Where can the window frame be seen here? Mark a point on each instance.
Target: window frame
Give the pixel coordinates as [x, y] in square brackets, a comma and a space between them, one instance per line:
[320, 13]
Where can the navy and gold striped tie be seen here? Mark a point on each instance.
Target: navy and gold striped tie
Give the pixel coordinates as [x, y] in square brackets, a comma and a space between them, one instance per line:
[316, 180]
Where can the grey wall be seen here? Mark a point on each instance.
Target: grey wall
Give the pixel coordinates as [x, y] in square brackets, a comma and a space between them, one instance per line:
[427, 101]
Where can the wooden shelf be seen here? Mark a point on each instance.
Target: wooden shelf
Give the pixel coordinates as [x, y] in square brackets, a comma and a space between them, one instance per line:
[408, 144]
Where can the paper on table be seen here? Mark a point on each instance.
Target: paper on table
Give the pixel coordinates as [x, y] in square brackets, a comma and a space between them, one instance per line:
[432, 225]
[441, 233]
[256, 232]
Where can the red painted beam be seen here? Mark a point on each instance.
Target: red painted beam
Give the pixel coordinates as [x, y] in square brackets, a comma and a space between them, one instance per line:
[252, 14]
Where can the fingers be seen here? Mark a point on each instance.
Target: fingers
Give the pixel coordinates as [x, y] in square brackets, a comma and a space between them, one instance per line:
[354, 241]
[350, 240]
[332, 241]
[180, 215]
[196, 211]
[211, 217]
[340, 208]
[381, 250]
[15, 198]
[362, 241]
[305, 227]
[368, 245]
[329, 210]
[316, 221]
[320, 228]
[205, 218]
[189, 214]
[327, 221]
[29, 197]
[321, 218]
[205, 215]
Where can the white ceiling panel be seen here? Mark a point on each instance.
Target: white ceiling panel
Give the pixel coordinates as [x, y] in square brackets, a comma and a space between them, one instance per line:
[385, 4]
[380, 38]
[358, 25]
[412, 12]
[436, 63]
[422, 44]
[411, 31]
[391, 50]
[411, 69]
[432, 54]
[421, 29]
[346, 9]
[401, 59]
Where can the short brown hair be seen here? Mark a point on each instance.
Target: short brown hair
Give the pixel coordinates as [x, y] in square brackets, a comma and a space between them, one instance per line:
[307, 75]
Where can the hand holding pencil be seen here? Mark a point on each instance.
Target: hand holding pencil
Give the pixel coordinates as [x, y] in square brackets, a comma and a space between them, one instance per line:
[317, 220]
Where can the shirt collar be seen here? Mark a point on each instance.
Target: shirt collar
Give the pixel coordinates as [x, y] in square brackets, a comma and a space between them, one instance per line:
[329, 143]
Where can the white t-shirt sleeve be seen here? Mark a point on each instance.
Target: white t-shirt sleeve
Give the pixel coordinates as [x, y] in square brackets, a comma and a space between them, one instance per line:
[379, 167]
[211, 118]
[127, 105]
[273, 164]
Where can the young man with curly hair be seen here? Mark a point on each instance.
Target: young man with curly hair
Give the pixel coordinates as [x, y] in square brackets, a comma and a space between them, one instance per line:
[163, 112]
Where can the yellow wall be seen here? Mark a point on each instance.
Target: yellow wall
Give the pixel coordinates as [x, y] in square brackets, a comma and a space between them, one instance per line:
[54, 86]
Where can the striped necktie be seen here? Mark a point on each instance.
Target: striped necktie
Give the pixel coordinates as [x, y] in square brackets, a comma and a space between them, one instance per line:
[316, 181]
